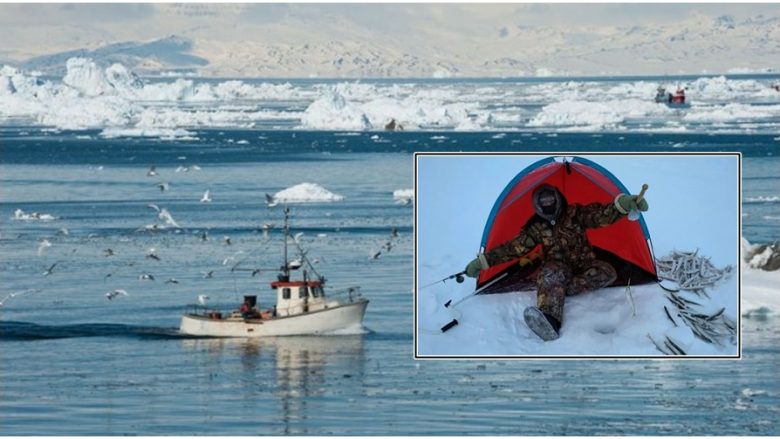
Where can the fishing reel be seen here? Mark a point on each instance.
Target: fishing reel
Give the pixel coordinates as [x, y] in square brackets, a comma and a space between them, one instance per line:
[459, 278]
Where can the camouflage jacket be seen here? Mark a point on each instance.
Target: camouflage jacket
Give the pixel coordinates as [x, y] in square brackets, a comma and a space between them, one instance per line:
[565, 241]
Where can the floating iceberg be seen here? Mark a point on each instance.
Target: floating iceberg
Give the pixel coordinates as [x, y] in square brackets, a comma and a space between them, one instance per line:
[403, 196]
[19, 215]
[306, 193]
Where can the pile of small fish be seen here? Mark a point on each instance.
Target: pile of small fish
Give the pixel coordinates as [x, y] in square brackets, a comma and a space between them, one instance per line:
[693, 273]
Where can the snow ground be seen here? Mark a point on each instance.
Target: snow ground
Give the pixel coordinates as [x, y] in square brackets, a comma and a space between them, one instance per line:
[694, 204]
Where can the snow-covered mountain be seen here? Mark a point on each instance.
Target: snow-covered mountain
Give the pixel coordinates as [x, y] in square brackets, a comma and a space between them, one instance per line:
[304, 43]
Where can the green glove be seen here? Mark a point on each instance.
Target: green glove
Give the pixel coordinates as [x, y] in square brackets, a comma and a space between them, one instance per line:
[627, 203]
[478, 264]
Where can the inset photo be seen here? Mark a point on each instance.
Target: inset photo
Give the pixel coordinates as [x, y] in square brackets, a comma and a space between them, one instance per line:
[577, 256]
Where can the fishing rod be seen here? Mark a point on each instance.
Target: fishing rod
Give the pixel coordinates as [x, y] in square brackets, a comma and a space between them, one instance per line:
[457, 276]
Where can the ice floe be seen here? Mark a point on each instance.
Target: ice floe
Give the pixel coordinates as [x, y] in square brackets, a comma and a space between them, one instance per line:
[92, 96]
[306, 193]
[20, 215]
[403, 196]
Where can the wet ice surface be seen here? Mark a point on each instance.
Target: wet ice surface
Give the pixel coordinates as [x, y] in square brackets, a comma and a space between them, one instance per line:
[75, 363]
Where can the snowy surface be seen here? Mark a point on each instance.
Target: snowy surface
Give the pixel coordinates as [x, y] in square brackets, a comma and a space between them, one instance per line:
[122, 104]
[306, 193]
[694, 204]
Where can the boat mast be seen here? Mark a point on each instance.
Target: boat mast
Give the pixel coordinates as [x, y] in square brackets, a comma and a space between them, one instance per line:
[286, 266]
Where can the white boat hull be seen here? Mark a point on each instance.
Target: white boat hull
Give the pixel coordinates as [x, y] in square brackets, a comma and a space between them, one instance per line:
[311, 323]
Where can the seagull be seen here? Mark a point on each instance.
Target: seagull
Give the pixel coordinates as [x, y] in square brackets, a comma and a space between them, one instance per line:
[202, 299]
[108, 252]
[388, 245]
[153, 206]
[172, 281]
[50, 269]
[270, 201]
[205, 198]
[166, 216]
[207, 275]
[17, 294]
[394, 232]
[294, 264]
[204, 236]
[113, 294]
[297, 237]
[256, 271]
[152, 254]
[227, 240]
[152, 171]
[42, 245]
[376, 254]
[181, 168]
[231, 258]
[145, 276]
[63, 231]
[163, 186]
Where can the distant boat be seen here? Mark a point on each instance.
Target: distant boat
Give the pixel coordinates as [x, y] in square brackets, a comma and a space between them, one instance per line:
[302, 307]
[676, 100]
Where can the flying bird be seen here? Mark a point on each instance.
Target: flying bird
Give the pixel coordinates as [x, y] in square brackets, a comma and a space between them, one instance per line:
[17, 294]
[163, 186]
[50, 269]
[376, 254]
[206, 198]
[152, 171]
[394, 232]
[227, 240]
[42, 245]
[207, 275]
[116, 293]
[152, 254]
[146, 276]
[204, 236]
[202, 299]
[108, 252]
[172, 281]
[294, 264]
[153, 206]
[167, 217]
[270, 200]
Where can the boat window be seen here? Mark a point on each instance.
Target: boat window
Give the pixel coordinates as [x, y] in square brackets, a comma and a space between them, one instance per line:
[285, 293]
[303, 292]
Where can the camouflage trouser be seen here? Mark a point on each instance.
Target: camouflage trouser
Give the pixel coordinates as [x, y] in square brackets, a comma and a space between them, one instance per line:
[556, 281]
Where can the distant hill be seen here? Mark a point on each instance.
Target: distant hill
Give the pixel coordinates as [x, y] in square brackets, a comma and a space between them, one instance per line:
[170, 53]
[306, 48]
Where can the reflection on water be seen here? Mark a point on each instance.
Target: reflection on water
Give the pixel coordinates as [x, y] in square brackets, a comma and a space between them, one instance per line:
[298, 374]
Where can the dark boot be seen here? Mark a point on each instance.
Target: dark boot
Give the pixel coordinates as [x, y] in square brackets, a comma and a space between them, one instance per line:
[543, 325]
[545, 318]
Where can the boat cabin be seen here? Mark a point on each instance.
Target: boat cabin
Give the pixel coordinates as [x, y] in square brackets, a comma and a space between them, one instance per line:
[298, 297]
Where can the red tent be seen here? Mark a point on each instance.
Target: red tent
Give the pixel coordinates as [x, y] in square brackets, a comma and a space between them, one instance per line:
[625, 244]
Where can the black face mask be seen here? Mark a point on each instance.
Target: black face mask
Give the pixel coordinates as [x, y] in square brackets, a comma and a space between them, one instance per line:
[548, 203]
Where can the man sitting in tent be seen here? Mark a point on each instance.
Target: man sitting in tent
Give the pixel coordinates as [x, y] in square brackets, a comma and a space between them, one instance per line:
[569, 264]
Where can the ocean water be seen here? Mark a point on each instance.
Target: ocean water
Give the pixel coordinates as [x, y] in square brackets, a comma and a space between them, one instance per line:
[74, 363]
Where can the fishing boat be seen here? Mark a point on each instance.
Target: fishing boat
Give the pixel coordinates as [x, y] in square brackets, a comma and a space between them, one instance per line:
[302, 306]
[676, 100]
